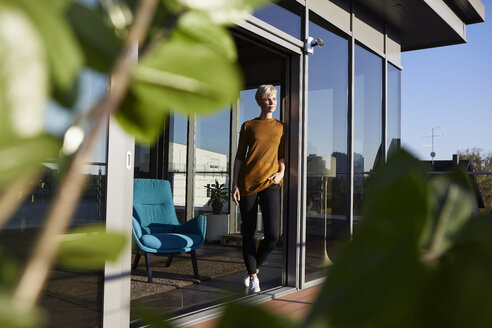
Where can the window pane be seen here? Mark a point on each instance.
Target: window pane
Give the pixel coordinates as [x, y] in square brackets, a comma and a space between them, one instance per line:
[211, 157]
[327, 159]
[142, 162]
[394, 109]
[368, 102]
[286, 16]
[178, 136]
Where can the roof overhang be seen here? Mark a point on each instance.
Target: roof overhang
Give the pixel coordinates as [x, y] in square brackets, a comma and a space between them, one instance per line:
[428, 23]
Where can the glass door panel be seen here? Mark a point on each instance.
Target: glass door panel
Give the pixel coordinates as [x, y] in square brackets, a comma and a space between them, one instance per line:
[177, 162]
[368, 104]
[327, 160]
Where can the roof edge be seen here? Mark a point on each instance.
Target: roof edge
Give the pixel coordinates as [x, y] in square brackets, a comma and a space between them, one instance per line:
[448, 16]
[479, 9]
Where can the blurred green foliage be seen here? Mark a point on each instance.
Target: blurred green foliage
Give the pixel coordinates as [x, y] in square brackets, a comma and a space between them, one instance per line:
[418, 259]
[187, 63]
[89, 247]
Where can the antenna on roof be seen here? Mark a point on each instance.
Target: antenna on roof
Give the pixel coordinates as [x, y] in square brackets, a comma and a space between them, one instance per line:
[433, 135]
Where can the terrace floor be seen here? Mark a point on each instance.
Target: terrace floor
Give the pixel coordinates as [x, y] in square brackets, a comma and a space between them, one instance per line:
[295, 305]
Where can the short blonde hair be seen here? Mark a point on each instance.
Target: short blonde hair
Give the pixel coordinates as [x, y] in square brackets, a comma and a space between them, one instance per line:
[264, 89]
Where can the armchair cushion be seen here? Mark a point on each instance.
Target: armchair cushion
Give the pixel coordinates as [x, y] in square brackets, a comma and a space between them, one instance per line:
[155, 218]
[195, 226]
[137, 231]
[170, 241]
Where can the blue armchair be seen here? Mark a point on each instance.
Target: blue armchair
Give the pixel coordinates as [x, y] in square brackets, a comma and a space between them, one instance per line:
[156, 228]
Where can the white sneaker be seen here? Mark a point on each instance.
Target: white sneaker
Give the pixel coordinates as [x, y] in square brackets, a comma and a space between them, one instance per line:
[254, 285]
[246, 279]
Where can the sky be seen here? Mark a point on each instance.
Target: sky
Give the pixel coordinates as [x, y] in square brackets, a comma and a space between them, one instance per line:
[449, 87]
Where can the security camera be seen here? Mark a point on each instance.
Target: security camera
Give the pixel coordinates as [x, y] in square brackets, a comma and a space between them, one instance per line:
[311, 43]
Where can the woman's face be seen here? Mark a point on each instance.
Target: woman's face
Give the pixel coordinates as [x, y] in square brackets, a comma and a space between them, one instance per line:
[268, 103]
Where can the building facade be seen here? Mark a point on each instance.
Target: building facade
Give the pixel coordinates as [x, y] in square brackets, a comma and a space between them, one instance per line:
[340, 104]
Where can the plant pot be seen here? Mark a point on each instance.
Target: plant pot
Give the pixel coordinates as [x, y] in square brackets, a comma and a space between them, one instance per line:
[217, 207]
[217, 226]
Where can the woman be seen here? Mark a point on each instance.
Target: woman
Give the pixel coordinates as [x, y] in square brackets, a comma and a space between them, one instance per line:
[258, 171]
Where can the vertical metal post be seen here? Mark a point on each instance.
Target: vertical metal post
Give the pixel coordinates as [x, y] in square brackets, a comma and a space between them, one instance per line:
[302, 160]
[233, 214]
[350, 130]
[292, 184]
[168, 132]
[119, 200]
[119, 212]
[384, 116]
[190, 168]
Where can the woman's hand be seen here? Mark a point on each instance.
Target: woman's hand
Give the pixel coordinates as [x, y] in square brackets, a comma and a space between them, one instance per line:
[236, 195]
[276, 177]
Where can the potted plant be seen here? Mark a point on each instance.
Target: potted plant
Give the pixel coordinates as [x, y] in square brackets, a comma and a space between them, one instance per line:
[219, 195]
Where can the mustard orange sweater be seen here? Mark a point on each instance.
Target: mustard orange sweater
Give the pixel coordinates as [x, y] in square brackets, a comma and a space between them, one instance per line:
[261, 145]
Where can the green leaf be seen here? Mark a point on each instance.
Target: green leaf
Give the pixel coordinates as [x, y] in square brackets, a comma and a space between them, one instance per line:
[399, 196]
[99, 42]
[62, 50]
[247, 316]
[59, 5]
[89, 247]
[225, 11]
[199, 27]
[143, 121]
[67, 98]
[12, 316]
[453, 207]
[21, 155]
[24, 76]
[460, 291]
[8, 271]
[186, 76]
[377, 278]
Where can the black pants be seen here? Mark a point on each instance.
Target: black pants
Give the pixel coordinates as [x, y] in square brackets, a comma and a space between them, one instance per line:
[269, 200]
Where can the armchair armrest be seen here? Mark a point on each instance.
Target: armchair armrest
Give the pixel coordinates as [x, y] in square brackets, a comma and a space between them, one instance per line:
[196, 226]
[137, 230]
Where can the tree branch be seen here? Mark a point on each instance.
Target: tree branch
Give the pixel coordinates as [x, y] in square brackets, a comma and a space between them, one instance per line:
[38, 267]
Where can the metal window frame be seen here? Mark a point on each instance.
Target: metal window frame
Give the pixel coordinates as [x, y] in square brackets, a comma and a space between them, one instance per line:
[295, 192]
[190, 168]
[119, 209]
[119, 213]
[234, 137]
[384, 113]
[350, 132]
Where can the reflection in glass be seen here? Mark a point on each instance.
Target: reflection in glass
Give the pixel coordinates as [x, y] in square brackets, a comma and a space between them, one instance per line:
[142, 162]
[178, 137]
[285, 15]
[368, 102]
[327, 159]
[394, 110]
[68, 293]
[211, 157]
